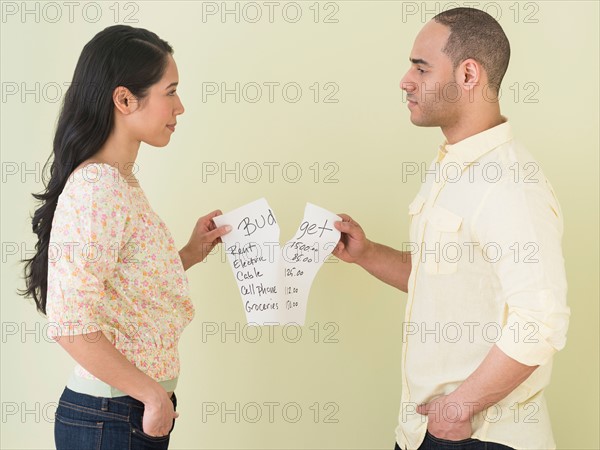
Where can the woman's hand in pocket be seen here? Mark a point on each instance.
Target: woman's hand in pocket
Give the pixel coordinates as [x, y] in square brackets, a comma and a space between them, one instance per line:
[158, 415]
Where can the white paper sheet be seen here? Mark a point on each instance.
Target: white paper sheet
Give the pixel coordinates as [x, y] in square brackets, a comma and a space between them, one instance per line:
[275, 281]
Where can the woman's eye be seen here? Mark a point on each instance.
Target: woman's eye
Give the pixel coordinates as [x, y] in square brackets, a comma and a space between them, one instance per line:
[172, 92]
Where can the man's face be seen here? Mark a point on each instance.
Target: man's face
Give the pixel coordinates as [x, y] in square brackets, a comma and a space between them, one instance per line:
[433, 97]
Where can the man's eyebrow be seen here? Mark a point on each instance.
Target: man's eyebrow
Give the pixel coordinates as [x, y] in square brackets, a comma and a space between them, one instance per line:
[419, 61]
[175, 83]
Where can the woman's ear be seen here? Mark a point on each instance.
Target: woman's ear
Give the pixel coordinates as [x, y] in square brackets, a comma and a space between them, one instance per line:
[124, 100]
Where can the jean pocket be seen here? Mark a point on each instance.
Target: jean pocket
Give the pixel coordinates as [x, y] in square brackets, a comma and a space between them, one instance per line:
[446, 443]
[135, 431]
[78, 422]
[141, 440]
[70, 433]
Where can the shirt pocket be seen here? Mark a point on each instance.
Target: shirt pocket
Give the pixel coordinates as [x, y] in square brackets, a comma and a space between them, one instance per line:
[441, 246]
[414, 209]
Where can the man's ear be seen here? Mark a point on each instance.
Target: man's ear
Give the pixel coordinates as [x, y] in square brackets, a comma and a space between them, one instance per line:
[469, 74]
[124, 100]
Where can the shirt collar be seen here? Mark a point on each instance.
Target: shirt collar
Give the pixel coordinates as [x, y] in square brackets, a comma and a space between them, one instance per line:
[472, 148]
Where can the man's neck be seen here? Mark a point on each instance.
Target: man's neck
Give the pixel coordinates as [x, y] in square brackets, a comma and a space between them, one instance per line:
[471, 126]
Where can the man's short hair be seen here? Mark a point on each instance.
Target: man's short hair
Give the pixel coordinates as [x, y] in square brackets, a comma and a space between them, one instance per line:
[477, 35]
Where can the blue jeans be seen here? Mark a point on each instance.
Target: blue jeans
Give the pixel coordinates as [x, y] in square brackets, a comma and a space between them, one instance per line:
[85, 422]
[434, 443]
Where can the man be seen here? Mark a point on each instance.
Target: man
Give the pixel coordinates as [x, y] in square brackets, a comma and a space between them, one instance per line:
[485, 274]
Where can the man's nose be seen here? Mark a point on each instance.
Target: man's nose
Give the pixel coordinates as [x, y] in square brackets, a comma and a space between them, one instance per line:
[408, 86]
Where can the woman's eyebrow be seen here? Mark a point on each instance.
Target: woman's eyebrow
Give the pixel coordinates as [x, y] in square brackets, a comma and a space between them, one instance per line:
[175, 83]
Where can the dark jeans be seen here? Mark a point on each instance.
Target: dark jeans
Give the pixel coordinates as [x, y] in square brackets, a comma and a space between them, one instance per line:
[433, 443]
[85, 422]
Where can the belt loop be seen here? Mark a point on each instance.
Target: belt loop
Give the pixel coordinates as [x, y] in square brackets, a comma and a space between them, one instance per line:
[104, 406]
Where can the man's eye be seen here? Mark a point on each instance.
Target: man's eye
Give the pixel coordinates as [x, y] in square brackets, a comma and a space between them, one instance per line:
[420, 70]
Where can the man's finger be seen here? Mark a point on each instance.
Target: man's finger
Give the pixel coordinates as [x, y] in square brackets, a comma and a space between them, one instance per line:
[423, 409]
[343, 226]
[351, 229]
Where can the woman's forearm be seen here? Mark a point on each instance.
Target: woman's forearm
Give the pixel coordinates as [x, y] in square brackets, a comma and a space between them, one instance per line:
[95, 353]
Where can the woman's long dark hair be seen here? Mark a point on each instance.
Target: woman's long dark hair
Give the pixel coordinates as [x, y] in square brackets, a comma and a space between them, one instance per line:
[119, 55]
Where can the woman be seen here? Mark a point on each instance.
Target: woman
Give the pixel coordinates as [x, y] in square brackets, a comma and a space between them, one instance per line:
[106, 272]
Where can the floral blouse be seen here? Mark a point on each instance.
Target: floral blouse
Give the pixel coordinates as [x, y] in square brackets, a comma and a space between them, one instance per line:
[113, 266]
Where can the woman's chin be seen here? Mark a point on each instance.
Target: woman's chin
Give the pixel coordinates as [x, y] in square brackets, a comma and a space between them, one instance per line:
[158, 142]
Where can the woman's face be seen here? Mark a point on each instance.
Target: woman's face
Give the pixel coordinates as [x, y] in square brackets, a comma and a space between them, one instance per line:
[155, 118]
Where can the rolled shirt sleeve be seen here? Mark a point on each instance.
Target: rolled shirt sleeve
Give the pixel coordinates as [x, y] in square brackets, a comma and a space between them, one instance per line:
[519, 227]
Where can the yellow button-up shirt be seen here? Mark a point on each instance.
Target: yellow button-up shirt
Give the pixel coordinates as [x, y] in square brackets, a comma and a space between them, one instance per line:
[487, 268]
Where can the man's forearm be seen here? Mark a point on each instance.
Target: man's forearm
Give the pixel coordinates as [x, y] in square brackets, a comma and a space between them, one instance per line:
[388, 265]
[95, 353]
[496, 377]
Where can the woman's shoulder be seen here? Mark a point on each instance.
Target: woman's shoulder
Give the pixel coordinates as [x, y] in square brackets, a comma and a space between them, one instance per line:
[96, 179]
[95, 171]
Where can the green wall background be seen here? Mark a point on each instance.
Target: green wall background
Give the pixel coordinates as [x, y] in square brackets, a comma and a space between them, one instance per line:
[343, 374]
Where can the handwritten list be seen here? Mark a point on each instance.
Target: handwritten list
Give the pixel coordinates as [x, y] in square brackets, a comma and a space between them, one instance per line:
[274, 282]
